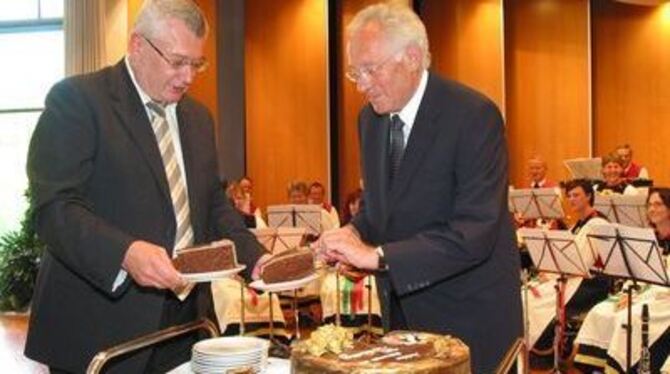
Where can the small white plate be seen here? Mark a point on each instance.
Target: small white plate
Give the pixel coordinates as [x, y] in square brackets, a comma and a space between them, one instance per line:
[232, 346]
[283, 286]
[212, 275]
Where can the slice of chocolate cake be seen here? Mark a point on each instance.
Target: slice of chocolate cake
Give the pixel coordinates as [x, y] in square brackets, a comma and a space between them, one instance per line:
[289, 265]
[215, 256]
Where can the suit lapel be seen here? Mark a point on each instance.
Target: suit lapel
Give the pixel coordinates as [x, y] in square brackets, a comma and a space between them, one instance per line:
[374, 139]
[420, 140]
[128, 107]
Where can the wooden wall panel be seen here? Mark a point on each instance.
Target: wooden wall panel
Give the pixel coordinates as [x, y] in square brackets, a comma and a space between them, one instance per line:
[466, 43]
[547, 83]
[286, 95]
[204, 87]
[631, 82]
[350, 103]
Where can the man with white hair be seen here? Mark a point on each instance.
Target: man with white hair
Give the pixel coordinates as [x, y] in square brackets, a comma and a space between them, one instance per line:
[123, 169]
[631, 170]
[435, 224]
[537, 173]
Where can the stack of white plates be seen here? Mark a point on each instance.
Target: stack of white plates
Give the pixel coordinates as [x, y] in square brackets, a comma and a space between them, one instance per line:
[230, 353]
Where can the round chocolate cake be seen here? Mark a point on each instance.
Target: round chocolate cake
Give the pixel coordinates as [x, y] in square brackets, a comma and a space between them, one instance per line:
[333, 351]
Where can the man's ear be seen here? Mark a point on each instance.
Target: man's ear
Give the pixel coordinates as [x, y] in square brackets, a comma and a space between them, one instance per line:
[134, 42]
[413, 56]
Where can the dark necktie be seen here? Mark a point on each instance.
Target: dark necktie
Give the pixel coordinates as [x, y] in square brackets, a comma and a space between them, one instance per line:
[397, 145]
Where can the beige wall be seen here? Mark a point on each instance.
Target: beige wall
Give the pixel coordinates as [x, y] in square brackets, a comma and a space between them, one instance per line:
[116, 36]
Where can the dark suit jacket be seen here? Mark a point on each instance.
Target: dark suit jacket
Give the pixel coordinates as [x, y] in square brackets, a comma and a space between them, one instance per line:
[443, 224]
[99, 184]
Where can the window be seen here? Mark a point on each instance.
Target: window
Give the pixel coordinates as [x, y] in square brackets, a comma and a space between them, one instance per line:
[33, 59]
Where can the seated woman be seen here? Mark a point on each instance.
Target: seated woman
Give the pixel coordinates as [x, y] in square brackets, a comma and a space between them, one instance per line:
[613, 179]
[352, 205]
[600, 339]
[251, 215]
[581, 294]
[658, 211]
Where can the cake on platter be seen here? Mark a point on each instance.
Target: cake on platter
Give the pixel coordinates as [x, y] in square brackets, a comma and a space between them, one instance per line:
[216, 256]
[289, 265]
[331, 350]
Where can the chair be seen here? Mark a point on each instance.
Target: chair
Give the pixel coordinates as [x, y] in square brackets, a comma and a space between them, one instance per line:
[102, 357]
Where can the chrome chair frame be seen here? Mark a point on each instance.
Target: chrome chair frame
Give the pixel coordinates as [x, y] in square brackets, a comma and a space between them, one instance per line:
[102, 357]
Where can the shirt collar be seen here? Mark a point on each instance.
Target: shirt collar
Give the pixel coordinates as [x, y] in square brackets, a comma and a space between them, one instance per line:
[143, 95]
[409, 111]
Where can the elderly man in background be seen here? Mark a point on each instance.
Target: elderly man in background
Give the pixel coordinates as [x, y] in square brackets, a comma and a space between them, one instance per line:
[631, 170]
[537, 173]
[123, 169]
[435, 225]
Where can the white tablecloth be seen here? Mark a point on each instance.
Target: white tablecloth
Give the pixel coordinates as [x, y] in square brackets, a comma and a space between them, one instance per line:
[227, 304]
[603, 326]
[542, 303]
[275, 366]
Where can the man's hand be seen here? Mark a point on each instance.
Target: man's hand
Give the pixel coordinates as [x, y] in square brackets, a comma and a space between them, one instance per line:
[150, 266]
[256, 273]
[345, 246]
[320, 249]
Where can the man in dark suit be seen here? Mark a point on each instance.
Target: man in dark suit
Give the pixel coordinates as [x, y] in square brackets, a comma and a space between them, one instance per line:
[123, 169]
[434, 161]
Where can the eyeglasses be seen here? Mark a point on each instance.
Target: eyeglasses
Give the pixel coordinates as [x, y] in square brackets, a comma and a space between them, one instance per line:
[356, 75]
[178, 63]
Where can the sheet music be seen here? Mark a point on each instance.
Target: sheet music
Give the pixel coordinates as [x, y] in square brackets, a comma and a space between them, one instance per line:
[629, 210]
[555, 251]
[535, 203]
[296, 215]
[279, 239]
[644, 256]
[589, 168]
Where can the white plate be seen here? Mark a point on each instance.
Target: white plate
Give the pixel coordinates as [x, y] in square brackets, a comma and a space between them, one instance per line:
[212, 275]
[283, 286]
[231, 346]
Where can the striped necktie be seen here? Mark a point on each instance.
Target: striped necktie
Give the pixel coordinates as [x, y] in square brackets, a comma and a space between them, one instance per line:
[176, 181]
[397, 145]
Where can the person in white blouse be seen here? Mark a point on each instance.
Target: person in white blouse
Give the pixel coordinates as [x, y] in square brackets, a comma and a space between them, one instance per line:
[316, 196]
[613, 178]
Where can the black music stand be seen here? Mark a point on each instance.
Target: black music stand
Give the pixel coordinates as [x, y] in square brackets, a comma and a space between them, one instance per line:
[534, 203]
[555, 251]
[629, 210]
[296, 215]
[630, 253]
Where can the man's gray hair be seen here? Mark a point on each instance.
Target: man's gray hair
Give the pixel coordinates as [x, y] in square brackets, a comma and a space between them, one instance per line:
[398, 23]
[154, 13]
